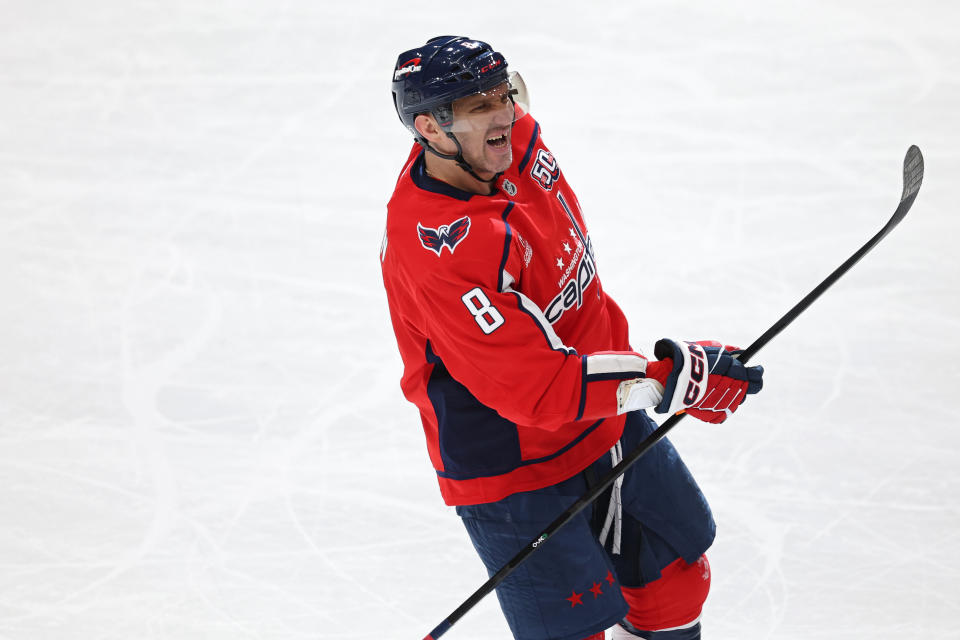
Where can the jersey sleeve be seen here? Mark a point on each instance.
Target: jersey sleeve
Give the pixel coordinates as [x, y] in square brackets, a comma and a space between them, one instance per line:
[496, 342]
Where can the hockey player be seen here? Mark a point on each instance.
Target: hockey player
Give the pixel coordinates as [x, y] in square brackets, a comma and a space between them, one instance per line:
[520, 365]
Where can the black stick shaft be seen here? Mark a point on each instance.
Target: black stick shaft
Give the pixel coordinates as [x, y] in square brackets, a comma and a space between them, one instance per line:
[912, 178]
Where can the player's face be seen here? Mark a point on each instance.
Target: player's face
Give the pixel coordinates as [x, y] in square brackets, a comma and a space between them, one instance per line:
[483, 123]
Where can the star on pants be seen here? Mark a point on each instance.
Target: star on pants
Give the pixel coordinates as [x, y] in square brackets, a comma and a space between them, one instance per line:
[596, 590]
[575, 599]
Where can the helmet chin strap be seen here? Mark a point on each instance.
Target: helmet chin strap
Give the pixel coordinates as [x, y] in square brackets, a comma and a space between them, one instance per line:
[457, 157]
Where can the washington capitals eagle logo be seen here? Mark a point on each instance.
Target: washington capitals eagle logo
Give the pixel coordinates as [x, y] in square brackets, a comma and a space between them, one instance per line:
[448, 235]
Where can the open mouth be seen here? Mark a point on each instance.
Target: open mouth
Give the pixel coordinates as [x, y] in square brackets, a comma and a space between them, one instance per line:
[499, 142]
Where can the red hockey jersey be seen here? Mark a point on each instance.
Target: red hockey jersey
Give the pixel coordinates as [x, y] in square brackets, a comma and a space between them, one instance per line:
[516, 358]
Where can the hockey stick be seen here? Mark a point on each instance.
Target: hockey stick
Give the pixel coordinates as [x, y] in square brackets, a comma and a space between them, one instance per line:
[912, 177]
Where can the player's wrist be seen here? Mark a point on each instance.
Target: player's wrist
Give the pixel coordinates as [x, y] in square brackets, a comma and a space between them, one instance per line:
[660, 370]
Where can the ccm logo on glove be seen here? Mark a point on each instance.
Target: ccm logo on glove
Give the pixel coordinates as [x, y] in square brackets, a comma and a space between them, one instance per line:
[698, 365]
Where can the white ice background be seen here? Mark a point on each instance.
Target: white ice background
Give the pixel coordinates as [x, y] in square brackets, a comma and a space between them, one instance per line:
[201, 428]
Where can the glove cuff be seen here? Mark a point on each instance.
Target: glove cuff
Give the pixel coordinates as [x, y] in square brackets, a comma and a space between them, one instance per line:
[687, 381]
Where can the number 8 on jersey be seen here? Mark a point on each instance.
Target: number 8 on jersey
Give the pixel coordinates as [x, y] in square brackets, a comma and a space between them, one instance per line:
[483, 312]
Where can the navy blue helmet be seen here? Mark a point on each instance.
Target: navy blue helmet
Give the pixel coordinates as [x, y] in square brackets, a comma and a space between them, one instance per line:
[429, 78]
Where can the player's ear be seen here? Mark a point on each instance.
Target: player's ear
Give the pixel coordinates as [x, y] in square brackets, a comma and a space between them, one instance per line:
[427, 126]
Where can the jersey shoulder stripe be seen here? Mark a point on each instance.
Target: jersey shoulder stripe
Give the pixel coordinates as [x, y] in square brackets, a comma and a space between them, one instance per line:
[530, 147]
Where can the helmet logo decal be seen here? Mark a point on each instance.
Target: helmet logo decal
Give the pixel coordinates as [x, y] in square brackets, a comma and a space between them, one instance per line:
[492, 65]
[410, 66]
[447, 235]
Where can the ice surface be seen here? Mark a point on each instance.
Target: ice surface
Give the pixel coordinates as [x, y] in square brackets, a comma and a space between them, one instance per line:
[201, 429]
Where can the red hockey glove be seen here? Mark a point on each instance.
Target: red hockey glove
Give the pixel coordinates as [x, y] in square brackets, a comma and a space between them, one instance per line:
[702, 378]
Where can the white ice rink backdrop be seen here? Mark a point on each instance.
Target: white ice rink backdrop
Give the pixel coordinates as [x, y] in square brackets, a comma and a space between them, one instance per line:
[201, 429]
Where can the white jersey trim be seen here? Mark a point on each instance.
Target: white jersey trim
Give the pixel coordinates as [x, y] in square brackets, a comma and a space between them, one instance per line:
[534, 311]
[616, 363]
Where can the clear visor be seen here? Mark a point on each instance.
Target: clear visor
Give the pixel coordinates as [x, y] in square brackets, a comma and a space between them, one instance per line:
[493, 109]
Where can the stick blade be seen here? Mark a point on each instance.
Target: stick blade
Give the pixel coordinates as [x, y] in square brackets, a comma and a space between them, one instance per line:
[912, 172]
[912, 178]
